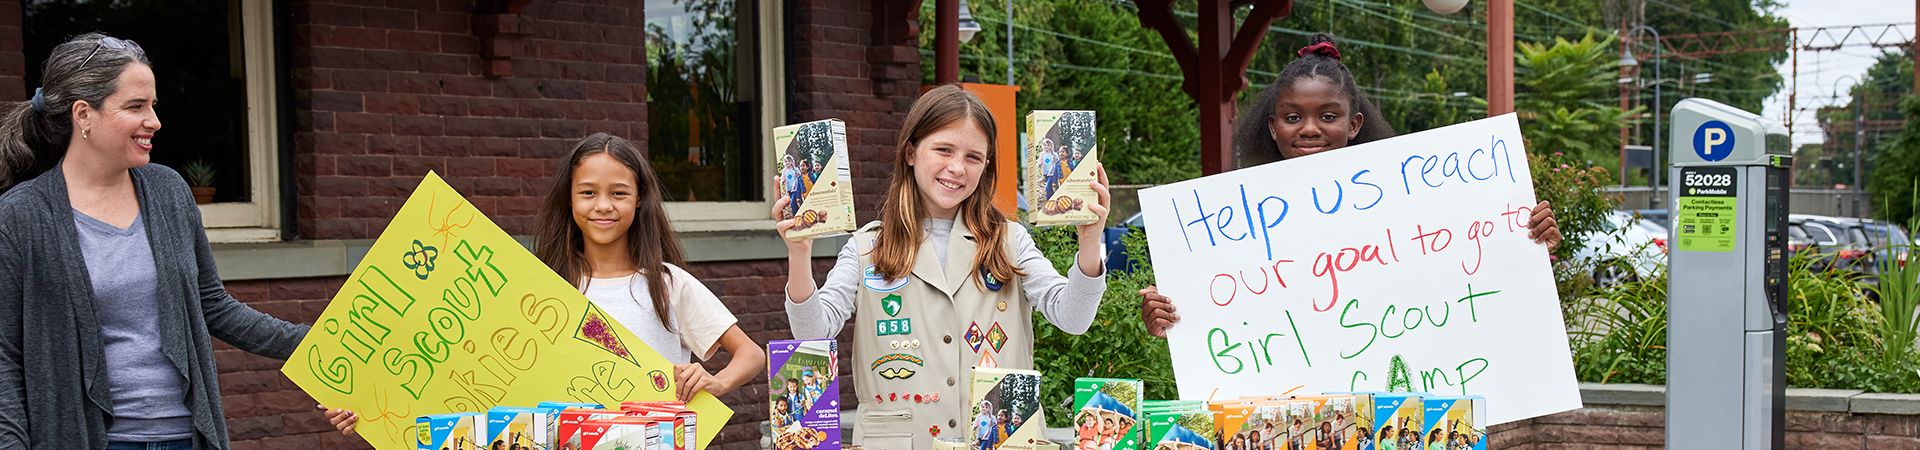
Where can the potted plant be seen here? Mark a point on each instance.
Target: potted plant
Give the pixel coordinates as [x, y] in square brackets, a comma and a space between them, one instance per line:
[200, 176]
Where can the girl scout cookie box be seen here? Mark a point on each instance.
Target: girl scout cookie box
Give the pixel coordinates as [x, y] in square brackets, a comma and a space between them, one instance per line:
[1398, 419]
[451, 431]
[814, 178]
[1106, 414]
[1060, 167]
[570, 405]
[569, 435]
[804, 392]
[625, 433]
[684, 421]
[1329, 421]
[1456, 422]
[1006, 410]
[522, 427]
[1191, 429]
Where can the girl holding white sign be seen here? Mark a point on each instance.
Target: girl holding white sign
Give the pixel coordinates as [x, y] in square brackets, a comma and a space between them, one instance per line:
[1313, 106]
[943, 282]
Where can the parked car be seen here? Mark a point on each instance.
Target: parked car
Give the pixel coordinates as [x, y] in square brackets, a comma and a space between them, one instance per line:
[1841, 243]
[1117, 258]
[1657, 216]
[1632, 248]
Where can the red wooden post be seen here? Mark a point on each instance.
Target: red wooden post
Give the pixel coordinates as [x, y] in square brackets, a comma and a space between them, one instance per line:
[946, 42]
[1216, 69]
[1500, 57]
[1216, 107]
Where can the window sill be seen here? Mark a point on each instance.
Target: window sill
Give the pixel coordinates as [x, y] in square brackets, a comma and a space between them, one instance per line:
[336, 257]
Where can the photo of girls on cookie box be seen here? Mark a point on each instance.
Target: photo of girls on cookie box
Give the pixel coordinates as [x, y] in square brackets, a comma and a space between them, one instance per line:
[814, 178]
[804, 394]
[1106, 414]
[1060, 170]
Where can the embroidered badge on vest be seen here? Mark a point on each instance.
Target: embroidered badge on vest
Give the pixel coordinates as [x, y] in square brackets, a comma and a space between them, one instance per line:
[996, 337]
[975, 337]
[897, 373]
[898, 357]
[889, 327]
[992, 283]
[874, 281]
[986, 360]
[891, 305]
[1001, 305]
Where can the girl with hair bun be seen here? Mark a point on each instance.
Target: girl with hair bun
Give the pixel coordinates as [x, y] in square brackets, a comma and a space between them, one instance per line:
[110, 294]
[1313, 106]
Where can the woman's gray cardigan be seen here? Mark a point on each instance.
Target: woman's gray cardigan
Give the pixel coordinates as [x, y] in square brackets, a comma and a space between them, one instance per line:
[53, 375]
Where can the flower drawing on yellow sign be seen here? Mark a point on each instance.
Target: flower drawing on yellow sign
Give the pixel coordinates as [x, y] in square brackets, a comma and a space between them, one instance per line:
[471, 323]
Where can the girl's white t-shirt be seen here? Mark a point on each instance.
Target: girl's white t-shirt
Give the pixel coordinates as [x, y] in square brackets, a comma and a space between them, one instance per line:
[698, 316]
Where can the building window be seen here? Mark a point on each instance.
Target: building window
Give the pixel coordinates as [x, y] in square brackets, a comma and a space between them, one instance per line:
[213, 65]
[710, 67]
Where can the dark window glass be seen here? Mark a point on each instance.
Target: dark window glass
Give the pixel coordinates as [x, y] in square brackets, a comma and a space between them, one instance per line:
[195, 47]
[703, 127]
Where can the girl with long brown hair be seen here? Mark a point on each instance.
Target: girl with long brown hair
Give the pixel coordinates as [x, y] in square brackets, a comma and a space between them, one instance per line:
[942, 282]
[604, 227]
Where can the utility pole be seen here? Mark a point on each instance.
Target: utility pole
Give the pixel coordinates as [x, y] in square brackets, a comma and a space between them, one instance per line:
[1859, 133]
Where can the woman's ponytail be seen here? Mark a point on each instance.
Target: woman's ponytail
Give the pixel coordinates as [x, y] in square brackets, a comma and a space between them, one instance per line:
[17, 157]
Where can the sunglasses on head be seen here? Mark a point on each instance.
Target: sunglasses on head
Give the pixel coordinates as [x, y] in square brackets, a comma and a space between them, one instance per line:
[113, 43]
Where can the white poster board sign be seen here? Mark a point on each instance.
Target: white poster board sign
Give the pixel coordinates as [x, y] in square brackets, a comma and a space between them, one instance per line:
[1331, 272]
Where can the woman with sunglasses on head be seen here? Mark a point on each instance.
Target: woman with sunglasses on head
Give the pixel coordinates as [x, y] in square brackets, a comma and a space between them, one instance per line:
[110, 291]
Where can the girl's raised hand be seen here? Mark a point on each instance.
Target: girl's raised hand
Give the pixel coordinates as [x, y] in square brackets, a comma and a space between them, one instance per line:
[342, 419]
[1097, 229]
[1157, 311]
[692, 379]
[784, 223]
[1092, 235]
[1542, 227]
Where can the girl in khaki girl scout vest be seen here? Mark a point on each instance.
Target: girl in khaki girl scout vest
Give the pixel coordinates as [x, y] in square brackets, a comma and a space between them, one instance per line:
[942, 283]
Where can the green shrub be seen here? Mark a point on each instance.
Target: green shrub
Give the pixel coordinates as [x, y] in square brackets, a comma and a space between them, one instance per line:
[1116, 346]
[1579, 207]
[1834, 334]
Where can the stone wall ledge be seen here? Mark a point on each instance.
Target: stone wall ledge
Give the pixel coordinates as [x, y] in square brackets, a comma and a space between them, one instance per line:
[1817, 400]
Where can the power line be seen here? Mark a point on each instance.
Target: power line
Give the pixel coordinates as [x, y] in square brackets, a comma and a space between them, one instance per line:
[1695, 14]
[1362, 43]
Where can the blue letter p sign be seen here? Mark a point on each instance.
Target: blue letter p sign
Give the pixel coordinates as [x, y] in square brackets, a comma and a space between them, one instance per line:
[1713, 141]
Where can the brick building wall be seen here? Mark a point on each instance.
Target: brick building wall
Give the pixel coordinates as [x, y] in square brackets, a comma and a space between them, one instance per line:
[13, 47]
[386, 91]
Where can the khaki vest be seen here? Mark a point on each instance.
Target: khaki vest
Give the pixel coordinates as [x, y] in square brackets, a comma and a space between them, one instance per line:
[941, 306]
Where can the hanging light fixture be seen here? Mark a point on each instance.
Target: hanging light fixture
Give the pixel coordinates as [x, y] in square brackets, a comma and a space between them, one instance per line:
[1445, 6]
[968, 27]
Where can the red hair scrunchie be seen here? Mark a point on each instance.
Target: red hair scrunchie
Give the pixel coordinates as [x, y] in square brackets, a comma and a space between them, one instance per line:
[1324, 49]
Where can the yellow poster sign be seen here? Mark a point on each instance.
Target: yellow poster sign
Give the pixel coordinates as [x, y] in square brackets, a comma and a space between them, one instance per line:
[447, 313]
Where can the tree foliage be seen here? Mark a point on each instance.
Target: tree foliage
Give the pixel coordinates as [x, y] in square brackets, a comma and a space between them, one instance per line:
[1896, 166]
[1072, 54]
[1557, 89]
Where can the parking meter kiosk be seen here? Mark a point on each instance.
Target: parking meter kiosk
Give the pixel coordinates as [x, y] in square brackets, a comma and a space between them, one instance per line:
[1726, 286]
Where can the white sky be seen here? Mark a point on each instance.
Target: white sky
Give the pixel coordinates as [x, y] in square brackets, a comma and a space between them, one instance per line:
[1819, 71]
